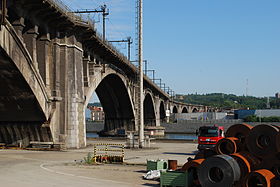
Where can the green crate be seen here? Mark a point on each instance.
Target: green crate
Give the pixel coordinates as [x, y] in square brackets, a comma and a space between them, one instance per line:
[174, 178]
[156, 165]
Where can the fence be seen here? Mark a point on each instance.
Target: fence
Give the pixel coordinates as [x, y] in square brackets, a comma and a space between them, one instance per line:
[108, 153]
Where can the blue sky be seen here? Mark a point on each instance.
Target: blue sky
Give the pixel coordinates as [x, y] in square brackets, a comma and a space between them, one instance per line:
[203, 46]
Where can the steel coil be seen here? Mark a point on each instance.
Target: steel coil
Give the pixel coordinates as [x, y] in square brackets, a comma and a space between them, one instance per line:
[192, 167]
[219, 171]
[228, 145]
[261, 140]
[239, 131]
[278, 141]
[272, 164]
[244, 164]
[205, 153]
[262, 177]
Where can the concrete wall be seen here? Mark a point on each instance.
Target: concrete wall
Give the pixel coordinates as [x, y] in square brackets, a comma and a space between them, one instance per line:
[191, 127]
[241, 114]
[200, 116]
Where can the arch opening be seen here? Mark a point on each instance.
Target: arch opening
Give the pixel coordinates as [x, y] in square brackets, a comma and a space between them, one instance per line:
[174, 110]
[149, 111]
[185, 110]
[116, 106]
[162, 112]
[195, 110]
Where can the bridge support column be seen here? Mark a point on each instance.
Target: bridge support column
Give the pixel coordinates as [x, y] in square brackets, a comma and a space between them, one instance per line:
[44, 52]
[86, 61]
[18, 26]
[73, 94]
[30, 40]
[157, 110]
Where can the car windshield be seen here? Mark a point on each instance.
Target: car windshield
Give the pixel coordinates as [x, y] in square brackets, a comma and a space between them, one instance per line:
[208, 132]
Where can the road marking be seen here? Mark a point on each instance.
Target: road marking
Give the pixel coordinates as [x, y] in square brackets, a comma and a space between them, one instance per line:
[43, 166]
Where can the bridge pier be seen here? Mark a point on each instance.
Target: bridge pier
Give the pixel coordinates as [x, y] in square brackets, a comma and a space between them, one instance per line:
[43, 60]
[30, 37]
[72, 123]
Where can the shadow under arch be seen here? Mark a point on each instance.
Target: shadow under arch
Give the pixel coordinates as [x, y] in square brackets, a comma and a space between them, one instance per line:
[195, 110]
[185, 110]
[162, 112]
[174, 110]
[149, 111]
[116, 103]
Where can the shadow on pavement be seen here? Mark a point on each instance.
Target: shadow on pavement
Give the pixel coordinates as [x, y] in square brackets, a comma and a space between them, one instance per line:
[187, 154]
[147, 184]
[141, 171]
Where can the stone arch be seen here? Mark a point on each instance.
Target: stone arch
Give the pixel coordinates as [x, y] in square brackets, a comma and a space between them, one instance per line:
[162, 113]
[175, 109]
[185, 110]
[21, 85]
[195, 110]
[115, 99]
[149, 110]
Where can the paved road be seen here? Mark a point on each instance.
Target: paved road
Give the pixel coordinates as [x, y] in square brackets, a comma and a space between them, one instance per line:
[20, 168]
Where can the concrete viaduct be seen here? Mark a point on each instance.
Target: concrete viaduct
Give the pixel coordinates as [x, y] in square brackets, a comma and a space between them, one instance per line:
[51, 62]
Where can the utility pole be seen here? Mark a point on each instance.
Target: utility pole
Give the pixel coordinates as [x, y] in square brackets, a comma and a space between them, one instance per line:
[129, 42]
[105, 12]
[140, 96]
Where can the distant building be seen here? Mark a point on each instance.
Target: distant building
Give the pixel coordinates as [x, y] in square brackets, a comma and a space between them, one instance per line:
[180, 97]
[97, 113]
[277, 95]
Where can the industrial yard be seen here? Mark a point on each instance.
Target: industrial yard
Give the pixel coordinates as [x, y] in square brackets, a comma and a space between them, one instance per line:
[52, 168]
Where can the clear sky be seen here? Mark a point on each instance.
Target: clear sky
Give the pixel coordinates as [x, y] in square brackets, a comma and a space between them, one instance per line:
[203, 46]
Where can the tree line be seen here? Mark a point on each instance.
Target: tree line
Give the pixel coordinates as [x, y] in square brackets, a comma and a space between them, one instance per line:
[230, 101]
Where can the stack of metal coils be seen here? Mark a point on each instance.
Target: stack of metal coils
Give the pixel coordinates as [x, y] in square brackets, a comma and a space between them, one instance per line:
[247, 157]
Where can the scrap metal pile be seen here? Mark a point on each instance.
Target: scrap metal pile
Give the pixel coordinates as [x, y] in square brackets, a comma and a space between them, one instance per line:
[247, 157]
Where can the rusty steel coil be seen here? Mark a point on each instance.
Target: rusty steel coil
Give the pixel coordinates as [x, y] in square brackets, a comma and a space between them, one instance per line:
[262, 177]
[278, 141]
[218, 171]
[272, 164]
[244, 163]
[192, 167]
[239, 131]
[261, 140]
[227, 146]
[254, 162]
[276, 170]
[205, 153]
[192, 163]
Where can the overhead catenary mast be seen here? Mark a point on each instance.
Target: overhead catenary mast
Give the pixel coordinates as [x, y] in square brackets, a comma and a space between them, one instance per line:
[105, 12]
[139, 92]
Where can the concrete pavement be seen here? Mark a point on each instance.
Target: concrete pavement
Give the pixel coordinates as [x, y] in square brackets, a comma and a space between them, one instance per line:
[20, 168]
